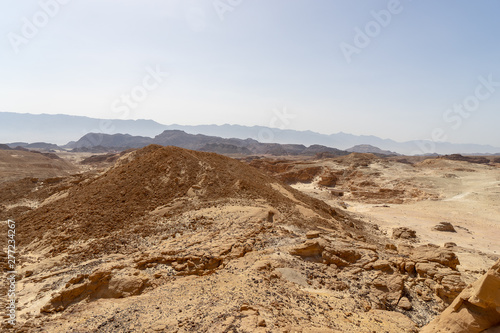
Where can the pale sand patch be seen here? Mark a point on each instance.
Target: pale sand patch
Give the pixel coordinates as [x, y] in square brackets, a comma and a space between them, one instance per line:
[469, 198]
[470, 203]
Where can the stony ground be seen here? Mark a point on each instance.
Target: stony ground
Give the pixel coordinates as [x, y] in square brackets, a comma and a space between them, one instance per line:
[172, 240]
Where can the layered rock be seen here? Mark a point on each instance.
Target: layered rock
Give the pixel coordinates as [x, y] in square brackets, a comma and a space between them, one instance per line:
[476, 309]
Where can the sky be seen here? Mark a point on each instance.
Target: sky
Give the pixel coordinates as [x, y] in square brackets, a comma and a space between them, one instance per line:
[405, 70]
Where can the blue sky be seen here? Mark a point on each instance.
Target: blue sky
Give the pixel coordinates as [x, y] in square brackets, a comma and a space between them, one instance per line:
[243, 61]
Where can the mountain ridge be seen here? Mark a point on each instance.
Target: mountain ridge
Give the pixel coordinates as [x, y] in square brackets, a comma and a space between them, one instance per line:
[61, 129]
[96, 142]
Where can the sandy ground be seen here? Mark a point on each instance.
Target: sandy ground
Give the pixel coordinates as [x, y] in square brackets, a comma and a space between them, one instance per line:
[214, 260]
[469, 198]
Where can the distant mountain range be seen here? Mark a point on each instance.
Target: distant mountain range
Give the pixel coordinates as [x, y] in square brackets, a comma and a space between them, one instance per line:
[97, 142]
[60, 129]
[34, 145]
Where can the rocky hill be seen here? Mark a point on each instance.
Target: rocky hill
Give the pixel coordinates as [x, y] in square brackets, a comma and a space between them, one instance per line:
[470, 159]
[370, 149]
[20, 163]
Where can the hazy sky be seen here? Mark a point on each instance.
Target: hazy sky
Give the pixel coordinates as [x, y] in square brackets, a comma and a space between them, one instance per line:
[404, 69]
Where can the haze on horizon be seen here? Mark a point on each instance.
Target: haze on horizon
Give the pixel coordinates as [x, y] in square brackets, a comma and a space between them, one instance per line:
[403, 70]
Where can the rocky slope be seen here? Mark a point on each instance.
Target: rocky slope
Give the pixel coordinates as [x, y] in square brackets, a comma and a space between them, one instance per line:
[358, 176]
[17, 164]
[370, 149]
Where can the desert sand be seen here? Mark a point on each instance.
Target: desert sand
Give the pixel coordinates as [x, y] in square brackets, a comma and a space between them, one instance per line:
[465, 194]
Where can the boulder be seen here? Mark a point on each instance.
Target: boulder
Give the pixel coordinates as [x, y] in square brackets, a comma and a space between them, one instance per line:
[382, 265]
[410, 267]
[388, 289]
[124, 286]
[444, 226]
[337, 193]
[432, 253]
[310, 248]
[405, 304]
[403, 233]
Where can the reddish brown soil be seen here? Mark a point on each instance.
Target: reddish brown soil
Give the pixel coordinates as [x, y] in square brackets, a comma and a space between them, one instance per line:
[115, 203]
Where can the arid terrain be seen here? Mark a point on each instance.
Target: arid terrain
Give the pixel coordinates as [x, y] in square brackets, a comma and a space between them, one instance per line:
[165, 239]
[419, 196]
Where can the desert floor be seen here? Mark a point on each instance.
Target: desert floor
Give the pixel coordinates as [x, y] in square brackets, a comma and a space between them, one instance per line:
[468, 197]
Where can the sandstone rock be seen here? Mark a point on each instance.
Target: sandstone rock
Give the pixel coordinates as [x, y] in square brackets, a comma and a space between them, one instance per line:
[262, 265]
[328, 180]
[310, 248]
[404, 233]
[389, 288]
[382, 265]
[312, 234]
[337, 193]
[337, 285]
[61, 300]
[475, 310]
[430, 253]
[405, 304]
[390, 246]
[404, 323]
[319, 250]
[124, 286]
[450, 287]
[330, 258]
[100, 284]
[494, 329]
[347, 254]
[445, 282]
[410, 267]
[427, 269]
[444, 226]
[77, 279]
